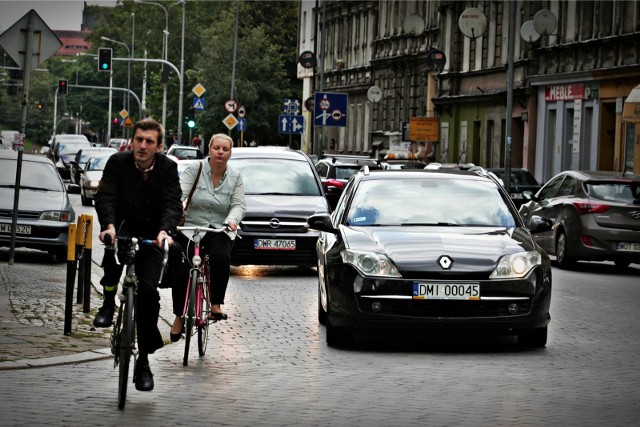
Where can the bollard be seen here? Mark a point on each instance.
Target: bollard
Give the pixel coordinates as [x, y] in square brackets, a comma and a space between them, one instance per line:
[71, 278]
[81, 236]
[86, 260]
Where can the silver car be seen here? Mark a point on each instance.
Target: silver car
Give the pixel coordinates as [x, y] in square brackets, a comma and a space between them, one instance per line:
[44, 210]
[595, 216]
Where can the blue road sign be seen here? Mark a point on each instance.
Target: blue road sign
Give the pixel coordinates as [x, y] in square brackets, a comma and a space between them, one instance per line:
[242, 124]
[291, 107]
[198, 104]
[290, 124]
[330, 109]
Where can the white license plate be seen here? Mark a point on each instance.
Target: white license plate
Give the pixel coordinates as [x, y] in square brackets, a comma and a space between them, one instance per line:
[275, 244]
[627, 247]
[457, 291]
[20, 229]
[517, 196]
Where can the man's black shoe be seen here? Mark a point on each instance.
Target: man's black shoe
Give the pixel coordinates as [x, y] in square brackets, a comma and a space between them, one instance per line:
[143, 378]
[104, 318]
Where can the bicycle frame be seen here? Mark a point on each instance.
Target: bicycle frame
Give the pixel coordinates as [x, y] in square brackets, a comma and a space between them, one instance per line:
[197, 305]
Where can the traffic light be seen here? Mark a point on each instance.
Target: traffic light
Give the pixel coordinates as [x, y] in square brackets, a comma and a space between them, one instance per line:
[104, 59]
[62, 87]
[190, 118]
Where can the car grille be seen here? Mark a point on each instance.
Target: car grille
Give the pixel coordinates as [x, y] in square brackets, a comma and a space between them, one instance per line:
[274, 224]
[5, 213]
[443, 308]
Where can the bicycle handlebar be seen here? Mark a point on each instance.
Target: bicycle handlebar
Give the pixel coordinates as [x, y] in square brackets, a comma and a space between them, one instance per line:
[135, 241]
[198, 229]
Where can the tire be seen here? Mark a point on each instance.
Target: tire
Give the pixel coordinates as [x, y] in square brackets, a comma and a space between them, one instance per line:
[85, 201]
[622, 264]
[322, 315]
[126, 344]
[191, 314]
[536, 338]
[563, 259]
[338, 336]
[203, 308]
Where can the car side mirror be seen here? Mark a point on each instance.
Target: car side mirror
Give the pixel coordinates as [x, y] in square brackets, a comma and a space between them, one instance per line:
[537, 224]
[73, 189]
[321, 222]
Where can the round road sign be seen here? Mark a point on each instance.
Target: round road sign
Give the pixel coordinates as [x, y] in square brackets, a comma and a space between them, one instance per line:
[231, 105]
[241, 111]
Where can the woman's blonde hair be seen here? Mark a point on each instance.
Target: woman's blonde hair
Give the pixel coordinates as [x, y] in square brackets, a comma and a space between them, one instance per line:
[221, 136]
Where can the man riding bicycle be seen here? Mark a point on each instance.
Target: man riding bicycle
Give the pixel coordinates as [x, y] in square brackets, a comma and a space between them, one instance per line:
[140, 189]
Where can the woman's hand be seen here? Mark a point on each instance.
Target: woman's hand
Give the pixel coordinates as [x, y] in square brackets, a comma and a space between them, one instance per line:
[232, 226]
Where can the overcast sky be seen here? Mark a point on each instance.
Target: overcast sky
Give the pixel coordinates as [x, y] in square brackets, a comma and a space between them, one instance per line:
[58, 14]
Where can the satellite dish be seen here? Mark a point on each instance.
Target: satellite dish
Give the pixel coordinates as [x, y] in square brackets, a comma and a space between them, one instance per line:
[413, 24]
[472, 22]
[545, 22]
[529, 33]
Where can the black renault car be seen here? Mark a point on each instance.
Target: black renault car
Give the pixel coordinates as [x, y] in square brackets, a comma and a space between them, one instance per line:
[430, 250]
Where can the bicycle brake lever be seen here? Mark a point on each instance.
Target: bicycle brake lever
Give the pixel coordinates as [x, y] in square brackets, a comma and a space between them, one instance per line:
[165, 259]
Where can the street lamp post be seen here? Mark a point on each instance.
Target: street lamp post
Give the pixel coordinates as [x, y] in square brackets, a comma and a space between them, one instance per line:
[76, 62]
[165, 51]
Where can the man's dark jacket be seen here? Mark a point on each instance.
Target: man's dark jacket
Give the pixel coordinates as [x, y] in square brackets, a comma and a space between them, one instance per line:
[147, 206]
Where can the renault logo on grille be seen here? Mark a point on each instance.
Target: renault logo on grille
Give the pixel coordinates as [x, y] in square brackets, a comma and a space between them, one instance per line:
[274, 223]
[634, 214]
[445, 262]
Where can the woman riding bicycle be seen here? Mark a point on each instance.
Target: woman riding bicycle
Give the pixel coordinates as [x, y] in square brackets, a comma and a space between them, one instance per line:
[217, 200]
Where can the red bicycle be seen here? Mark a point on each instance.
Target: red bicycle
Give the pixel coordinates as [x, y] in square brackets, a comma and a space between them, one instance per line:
[197, 304]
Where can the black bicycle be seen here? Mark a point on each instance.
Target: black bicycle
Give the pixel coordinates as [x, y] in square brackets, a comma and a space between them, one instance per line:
[123, 336]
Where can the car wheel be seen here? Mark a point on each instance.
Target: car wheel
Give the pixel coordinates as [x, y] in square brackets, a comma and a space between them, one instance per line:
[322, 315]
[533, 338]
[85, 201]
[622, 263]
[562, 252]
[59, 255]
[338, 336]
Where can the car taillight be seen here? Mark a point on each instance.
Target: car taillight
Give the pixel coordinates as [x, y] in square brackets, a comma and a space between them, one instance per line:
[590, 208]
[333, 183]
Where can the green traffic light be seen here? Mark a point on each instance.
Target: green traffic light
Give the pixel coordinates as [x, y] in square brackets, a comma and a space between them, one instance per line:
[191, 123]
[105, 66]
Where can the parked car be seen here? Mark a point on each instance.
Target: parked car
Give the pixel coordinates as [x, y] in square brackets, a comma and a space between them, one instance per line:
[182, 152]
[430, 250]
[119, 144]
[64, 149]
[182, 163]
[44, 211]
[78, 163]
[402, 164]
[521, 180]
[595, 217]
[90, 179]
[335, 171]
[282, 191]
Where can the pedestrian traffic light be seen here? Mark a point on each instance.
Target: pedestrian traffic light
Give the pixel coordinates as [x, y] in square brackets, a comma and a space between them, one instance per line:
[62, 87]
[104, 59]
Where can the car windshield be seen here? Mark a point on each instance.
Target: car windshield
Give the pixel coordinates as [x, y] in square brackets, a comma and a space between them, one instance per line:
[187, 153]
[34, 176]
[518, 177]
[277, 176]
[624, 192]
[97, 163]
[346, 172]
[427, 201]
[70, 148]
[87, 154]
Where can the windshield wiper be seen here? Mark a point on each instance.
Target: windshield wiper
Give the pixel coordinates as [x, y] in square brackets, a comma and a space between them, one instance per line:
[432, 224]
[28, 187]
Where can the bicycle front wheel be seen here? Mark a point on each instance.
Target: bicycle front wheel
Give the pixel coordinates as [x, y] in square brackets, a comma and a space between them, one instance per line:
[126, 344]
[191, 314]
[203, 315]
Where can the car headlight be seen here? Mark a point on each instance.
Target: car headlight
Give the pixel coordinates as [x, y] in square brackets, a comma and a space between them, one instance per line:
[369, 263]
[94, 184]
[62, 216]
[516, 265]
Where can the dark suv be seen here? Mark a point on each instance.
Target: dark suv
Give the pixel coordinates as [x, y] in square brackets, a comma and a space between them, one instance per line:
[282, 190]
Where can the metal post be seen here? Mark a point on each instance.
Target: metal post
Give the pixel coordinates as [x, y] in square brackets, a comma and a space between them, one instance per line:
[86, 305]
[71, 278]
[510, 47]
[181, 97]
[110, 102]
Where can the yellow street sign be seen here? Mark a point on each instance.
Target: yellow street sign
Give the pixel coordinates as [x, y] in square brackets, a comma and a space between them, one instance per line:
[198, 90]
[230, 121]
[124, 113]
[423, 129]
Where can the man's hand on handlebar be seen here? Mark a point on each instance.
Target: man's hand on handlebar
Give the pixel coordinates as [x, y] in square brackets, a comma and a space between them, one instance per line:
[111, 233]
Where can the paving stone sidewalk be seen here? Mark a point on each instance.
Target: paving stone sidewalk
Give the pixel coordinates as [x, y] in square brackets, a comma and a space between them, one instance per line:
[32, 314]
